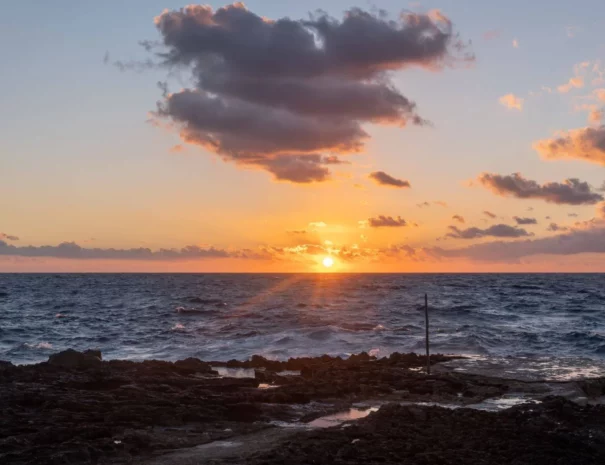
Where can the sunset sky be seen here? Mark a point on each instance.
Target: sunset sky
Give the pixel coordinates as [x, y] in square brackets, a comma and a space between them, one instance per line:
[458, 135]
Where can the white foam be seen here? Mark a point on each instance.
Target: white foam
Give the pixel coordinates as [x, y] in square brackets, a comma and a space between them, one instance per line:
[39, 345]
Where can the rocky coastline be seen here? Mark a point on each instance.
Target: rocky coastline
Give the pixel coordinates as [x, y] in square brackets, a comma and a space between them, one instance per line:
[78, 409]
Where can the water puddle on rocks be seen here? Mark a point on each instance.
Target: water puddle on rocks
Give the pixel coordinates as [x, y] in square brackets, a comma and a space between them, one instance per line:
[503, 403]
[495, 404]
[337, 418]
[235, 372]
[267, 386]
[227, 372]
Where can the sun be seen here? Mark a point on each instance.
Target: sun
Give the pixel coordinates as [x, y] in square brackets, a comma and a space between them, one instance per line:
[328, 262]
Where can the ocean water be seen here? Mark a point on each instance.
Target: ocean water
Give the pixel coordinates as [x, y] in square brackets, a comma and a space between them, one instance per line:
[226, 316]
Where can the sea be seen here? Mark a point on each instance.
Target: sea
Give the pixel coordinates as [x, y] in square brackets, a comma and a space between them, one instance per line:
[556, 321]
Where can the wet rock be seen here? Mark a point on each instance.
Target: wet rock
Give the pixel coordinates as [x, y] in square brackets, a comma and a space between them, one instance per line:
[51, 411]
[71, 358]
[593, 387]
[194, 365]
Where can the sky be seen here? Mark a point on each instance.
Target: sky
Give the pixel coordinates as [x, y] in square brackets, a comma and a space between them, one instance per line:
[441, 136]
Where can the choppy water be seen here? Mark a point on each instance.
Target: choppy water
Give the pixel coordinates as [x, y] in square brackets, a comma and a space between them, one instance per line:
[223, 316]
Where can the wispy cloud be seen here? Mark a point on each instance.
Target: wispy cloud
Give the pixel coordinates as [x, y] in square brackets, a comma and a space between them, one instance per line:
[384, 179]
[511, 101]
[586, 144]
[8, 237]
[571, 191]
[458, 218]
[383, 221]
[74, 251]
[576, 82]
[497, 230]
[555, 227]
[591, 240]
[524, 221]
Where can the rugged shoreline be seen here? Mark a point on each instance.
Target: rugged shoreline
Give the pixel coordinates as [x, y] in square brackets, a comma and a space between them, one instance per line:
[76, 408]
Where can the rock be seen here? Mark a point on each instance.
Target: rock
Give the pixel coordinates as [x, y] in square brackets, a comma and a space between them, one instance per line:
[71, 358]
[194, 365]
[593, 387]
[94, 353]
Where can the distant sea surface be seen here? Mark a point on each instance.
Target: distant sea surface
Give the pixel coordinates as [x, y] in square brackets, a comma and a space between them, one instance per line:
[226, 316]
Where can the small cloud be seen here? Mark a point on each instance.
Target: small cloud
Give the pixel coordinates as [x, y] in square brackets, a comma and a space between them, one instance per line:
[576, 82]
[497, 230]
[359, 186]
[515, 43]
[555, 227]
[441, 203]
[489, 214]
[297, 232]
[386, 221]
[458, 218]
[8, 237]
[572, 215]
[384, 179]
[570, 192]
[520, 220]
[315, 225]
[334, 160]
[512, 102]
[423, 205]
[586, 144]
[595, 116]
[530, 209]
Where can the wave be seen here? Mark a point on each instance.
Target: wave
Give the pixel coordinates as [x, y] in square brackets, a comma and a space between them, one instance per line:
[193, 311]
[199, 300]
[39, 345]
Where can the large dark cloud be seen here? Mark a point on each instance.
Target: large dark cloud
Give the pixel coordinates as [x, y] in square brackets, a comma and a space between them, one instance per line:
[522, 220]
[571, 191]
[270, 90]
[387, 221]
[586, 144]
[575, 242]
[74, 251]
[497, 230]
[384, 179]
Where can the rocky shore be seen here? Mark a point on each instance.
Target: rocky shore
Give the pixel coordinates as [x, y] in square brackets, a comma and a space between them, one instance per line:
[78, 409]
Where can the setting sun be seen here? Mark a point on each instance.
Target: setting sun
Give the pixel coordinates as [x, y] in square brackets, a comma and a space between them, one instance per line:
[328, 262]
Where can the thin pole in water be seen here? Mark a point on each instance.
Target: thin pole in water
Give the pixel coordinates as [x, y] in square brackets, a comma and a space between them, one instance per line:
[426, 318]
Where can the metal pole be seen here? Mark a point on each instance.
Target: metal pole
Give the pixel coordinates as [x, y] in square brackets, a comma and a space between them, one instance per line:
[426, 318]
